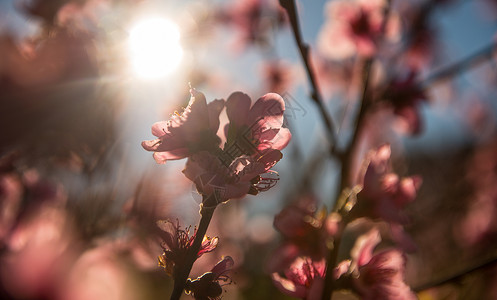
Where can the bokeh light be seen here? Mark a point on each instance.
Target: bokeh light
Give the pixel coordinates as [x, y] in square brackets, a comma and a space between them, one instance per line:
[155, 49]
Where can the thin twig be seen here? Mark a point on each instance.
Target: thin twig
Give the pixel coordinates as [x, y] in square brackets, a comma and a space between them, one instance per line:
[289, 6]
[471, 61]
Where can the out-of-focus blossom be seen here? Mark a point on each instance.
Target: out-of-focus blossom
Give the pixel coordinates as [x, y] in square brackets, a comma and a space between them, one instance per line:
[383, 277]
[245, 175]
[384, 194]
[307, 229]
[209, 285]
[39, 253]
[82, 17]
[405, 96]
[253, 20]
[303, 278]
[336, 78]
[175, 244]
[99, 273]
[277, 76]
[354, 27]
[378, 275]
[187, 133]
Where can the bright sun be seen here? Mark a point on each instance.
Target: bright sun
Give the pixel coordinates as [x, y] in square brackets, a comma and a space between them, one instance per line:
[154, 47]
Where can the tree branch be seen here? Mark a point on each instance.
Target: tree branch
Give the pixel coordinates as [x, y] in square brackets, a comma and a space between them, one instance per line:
[289, 6]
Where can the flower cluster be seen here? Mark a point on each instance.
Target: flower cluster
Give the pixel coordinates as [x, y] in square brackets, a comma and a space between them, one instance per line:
[254, 137]
[299, 265]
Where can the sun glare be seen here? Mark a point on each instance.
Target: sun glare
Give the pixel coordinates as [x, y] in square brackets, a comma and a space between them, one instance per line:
[155, 48]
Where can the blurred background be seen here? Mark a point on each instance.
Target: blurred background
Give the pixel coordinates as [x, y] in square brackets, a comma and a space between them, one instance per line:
[81, 83]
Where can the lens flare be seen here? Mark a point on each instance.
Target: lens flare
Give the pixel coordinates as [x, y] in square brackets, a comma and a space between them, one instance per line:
[155, 49]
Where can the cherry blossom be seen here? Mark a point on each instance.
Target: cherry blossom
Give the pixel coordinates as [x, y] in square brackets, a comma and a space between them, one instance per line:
[175, 244]
[353, 27]
[405, 96]
[385, 194]
[245, 175]
[304, 278]
[208, 286]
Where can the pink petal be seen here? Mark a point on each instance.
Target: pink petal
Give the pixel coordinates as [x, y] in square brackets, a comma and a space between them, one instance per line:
[269, 108]
[160, 128]
[170, 230]
[214, 109]
[362, 251]
[223, 266]
[237, 108]
[162, 157]
[279, 141]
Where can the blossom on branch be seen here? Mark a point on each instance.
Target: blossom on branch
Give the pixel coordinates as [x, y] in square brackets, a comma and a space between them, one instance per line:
[405, 96]
[354, 27]
[254, 137]
[304, 278]
[208, 286]
[176, 243]
[385, 194]
[375, 276]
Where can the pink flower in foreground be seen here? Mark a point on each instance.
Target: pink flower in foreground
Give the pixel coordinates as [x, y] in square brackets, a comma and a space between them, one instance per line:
[304, 278]
[208, 286]
[254, 138]
[353, 27]
[176, 243]
[384, 194]
[192, 131]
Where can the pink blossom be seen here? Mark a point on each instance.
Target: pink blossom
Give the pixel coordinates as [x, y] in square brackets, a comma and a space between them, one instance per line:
[304, 278]
[38, 254]
[383, 277]
[176, 243]
[384, 194]
[353, 27]
[307, 228]
[208, 285]
[378, 275]
[254, 138]
[405, 96]
[253, 20]
[184, 134]
[245, 175]
[277, 76]
[100, 273]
